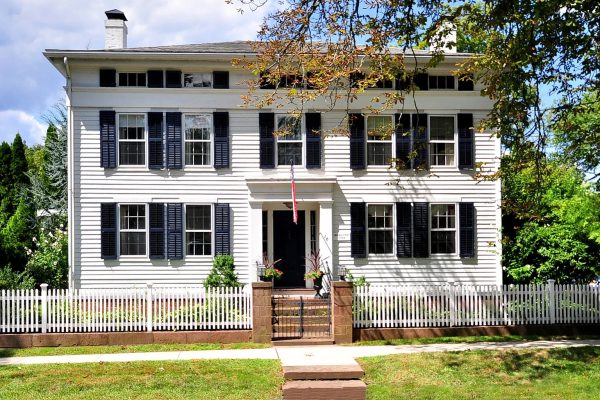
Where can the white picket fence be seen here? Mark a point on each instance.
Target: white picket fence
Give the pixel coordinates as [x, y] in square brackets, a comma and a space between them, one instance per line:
[125, 310]
[470, 305]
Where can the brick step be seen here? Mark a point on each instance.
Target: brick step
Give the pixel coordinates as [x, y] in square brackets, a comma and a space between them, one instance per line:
[322, 372]
[321, 341]
[325, 390]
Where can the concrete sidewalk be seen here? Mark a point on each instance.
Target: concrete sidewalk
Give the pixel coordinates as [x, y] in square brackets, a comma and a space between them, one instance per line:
[298, 356]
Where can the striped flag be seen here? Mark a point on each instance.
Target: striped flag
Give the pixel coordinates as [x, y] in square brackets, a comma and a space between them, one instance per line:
[294, 201]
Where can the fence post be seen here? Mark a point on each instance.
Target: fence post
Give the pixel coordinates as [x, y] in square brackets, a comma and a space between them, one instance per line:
[451, 294]
[44, 321]
[551, 301]
[149, 307]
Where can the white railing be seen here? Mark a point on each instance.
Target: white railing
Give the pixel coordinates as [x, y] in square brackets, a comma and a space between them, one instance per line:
[124, 310]
[474, 305]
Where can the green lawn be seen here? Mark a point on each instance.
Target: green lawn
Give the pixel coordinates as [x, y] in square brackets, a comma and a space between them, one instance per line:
[466, 339]
[144, 348]
[533, 374]
[202, 379]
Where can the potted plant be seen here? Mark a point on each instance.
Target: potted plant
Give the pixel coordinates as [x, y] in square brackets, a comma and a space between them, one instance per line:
[315, 272]
[268, 270]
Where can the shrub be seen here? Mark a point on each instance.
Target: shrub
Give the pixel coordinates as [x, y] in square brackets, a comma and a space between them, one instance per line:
[222, 273]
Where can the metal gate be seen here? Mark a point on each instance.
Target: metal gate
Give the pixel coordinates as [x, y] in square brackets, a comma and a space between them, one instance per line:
[300, 317]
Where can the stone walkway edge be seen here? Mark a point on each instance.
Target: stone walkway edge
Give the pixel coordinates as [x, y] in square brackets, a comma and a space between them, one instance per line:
[298, 356]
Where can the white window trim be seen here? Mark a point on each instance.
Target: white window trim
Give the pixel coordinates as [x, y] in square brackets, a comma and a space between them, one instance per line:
[430, 142]
[211, 141]
[456, 230]
[443, 90]
[393, 228]
[212, 232]
[132, 72]
[392, 139]
[119, 140]
[302, 141]
[146, 231]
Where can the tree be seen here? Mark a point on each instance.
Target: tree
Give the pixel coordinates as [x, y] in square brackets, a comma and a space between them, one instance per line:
[530, 48]
[222, 273]
[18, 165]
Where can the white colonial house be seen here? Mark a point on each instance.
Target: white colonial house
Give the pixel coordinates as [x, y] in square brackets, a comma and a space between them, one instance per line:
[168, 169]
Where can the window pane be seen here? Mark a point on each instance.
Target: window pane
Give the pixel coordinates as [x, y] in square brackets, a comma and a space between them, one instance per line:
[379, 127]
[197, 127]
[198, 243]
[379, 153]
[197, 80]
[442, 153]
[133, 216]
[442, 128]
[380, 216]
[133, 243]
[381, 242]
[132, 153]
[197, 153]
[443, 242]
[289, 128]
[443, 216]
[197, 218]
[288, 153]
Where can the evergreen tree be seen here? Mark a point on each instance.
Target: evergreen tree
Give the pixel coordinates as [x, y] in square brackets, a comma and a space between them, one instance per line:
[18, 165]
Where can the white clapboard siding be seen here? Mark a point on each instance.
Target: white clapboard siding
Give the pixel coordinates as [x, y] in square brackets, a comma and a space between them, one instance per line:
[125, 309]
[405, 306]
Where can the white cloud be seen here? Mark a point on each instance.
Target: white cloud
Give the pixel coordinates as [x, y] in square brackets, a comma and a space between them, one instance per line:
[16, 121]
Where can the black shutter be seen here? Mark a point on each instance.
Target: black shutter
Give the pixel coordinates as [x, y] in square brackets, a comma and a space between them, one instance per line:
[465, 83]
[222, 229]
[175, 231]
[403, 230]
[174, 148]
[466, 157]
[421, 229]
[358, 230]
[420, 146]
[108, 231]
[173, 79]
[156, 79]
[266, 125]
[313, 140]
[402, 141]
[221, 79]
[108, 78]
[356, 124]
[422, 81]
[467, 229]
[155, 140]
[221, 127]
[157, 231]
[108, 139]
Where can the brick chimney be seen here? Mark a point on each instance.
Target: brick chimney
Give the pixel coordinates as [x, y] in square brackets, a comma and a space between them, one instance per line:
[115, 34]
[444, 38]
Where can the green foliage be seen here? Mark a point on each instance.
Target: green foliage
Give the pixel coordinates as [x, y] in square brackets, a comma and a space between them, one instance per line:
[16, 236]
[10, 279]
[49, 262]
[222, 273]
[18, 165]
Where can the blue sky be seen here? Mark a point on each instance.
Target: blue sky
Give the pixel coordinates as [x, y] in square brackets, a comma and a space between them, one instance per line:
[30, 86]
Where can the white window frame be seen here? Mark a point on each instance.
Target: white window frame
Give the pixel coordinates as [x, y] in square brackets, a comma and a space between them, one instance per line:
[210, 141]
[455, 229]
[302, 139]
[144, 140]
[455, 88]
[198, 73]
[132, 72]
[145, 230]
[391, 140]
[392, 228]
[211, 230]
[431, 142]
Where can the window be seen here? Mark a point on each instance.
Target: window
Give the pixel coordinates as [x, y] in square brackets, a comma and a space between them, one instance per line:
[443, 229]
[289, 140]
[441, 82]
[132, 79]
[198, 132]
[132, 228]
[380, 229]
[441, 139]
[132, 139]
[379, 139]
[198, 231]
[197, 80]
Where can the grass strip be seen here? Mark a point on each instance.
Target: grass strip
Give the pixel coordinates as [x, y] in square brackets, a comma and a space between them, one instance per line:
[466, 339]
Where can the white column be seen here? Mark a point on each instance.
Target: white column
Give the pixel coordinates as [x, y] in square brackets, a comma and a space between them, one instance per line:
[254, 238]
[326, 236]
